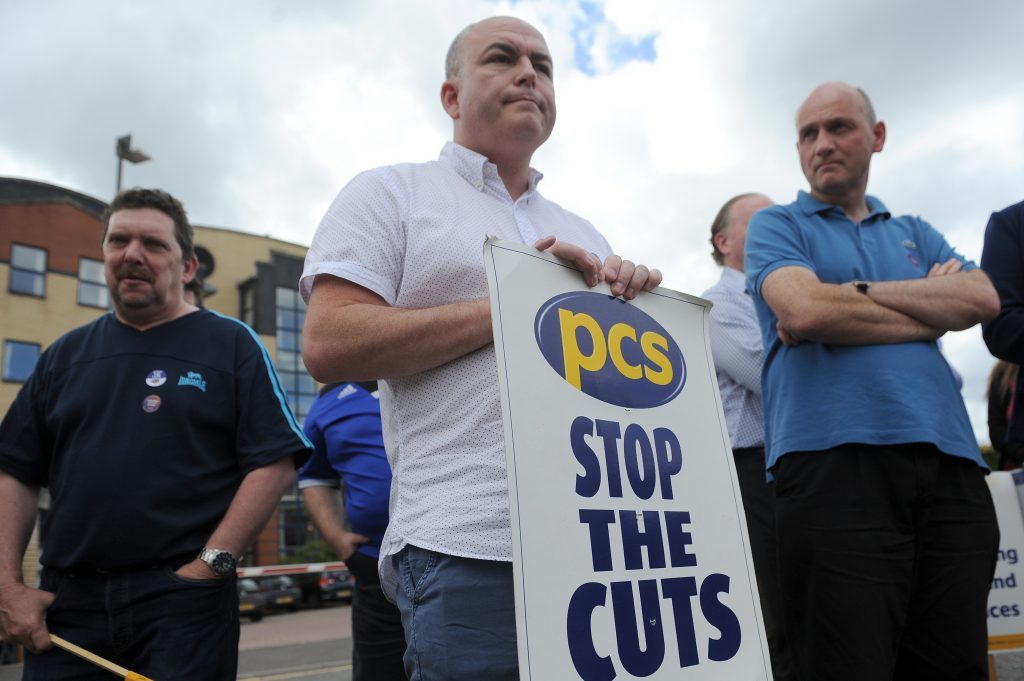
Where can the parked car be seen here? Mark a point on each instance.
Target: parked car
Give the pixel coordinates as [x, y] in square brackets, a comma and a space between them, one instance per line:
[336, 585]
[281, 593]
[321, 587]
[251, 601]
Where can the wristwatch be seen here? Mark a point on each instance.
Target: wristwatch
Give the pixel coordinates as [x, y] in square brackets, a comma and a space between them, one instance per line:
[861, 286]
[220, 561]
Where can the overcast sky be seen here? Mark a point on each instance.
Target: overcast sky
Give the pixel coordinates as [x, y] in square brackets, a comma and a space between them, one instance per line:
[257, 112]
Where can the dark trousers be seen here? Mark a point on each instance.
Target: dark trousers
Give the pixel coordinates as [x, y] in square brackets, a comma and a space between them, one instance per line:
[759, 508]
[377, 635]
[152, 622]
[886, 556]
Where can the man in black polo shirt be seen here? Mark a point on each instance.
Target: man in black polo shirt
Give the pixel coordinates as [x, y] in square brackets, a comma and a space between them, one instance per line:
[165, 440]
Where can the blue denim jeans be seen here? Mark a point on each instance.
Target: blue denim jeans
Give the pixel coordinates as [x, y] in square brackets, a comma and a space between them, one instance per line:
[459, 617]
[152, 621]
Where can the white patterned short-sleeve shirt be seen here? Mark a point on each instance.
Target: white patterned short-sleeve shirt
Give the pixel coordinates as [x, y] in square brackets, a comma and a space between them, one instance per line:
[414, 234]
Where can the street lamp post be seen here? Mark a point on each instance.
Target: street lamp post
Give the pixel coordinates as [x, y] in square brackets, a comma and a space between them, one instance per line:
[126, 153]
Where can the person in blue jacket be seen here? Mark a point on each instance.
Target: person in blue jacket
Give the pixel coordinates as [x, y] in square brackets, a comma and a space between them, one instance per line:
[345, 429]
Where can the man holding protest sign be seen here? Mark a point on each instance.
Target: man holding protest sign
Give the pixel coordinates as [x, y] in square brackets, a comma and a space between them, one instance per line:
[396, 290]
[887, 533]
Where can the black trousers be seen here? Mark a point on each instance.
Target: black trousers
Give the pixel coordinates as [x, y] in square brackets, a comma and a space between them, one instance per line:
[759, 508]
[378, 640]
[151, 621]
[886, 556]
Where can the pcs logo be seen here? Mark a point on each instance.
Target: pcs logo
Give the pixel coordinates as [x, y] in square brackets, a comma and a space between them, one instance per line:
[610, 350]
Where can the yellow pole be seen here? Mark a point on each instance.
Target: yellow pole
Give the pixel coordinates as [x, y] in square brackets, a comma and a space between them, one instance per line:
[97, 660]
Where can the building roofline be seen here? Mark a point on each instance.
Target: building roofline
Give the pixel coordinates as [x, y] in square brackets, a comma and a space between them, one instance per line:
[254, 235]
[21, 191]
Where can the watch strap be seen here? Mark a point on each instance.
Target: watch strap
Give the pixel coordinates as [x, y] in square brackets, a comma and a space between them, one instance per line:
[221, 561]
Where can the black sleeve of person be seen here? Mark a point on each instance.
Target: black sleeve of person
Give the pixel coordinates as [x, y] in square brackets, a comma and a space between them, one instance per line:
[266, 428]
[998, 408]
[25, 444]
[1003, 261]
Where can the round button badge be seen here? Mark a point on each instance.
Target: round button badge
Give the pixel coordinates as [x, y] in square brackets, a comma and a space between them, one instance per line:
[156, 378]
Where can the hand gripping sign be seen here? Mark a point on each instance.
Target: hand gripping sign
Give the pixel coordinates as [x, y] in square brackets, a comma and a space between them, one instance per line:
[630, 548]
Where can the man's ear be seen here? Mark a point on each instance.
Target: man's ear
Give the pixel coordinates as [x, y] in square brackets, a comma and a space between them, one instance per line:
[450, 97]
[191, 267]
[720, 240]
[879, 136]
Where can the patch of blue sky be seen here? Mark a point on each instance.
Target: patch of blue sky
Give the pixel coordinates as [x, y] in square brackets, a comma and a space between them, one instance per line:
[620, 49]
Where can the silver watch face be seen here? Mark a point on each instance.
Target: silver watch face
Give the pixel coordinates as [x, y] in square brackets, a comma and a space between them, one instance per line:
[222, 563]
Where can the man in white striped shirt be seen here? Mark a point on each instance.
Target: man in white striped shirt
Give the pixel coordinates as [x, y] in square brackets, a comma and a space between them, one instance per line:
[736, 344]
[396, 289]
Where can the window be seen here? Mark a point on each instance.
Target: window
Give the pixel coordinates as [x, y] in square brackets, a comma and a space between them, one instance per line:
[28, 270]
[19, 360]
[294, 529]
[92, 286]
[247, 302]
[298, 384]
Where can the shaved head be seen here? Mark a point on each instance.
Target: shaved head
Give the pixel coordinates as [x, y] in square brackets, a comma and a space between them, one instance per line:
[499, 91]
[834, 87]
[453, 59]
[837, 134]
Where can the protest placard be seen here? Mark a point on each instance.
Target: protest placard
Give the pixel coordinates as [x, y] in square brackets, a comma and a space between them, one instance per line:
[630, 548]
[1006, 598]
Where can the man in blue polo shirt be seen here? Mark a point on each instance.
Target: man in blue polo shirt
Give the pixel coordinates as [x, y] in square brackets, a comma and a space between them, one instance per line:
[345, 429]
[887, 534]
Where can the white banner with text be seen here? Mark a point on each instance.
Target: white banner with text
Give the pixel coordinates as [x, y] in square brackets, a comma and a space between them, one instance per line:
[1006, 598]
[630, 548]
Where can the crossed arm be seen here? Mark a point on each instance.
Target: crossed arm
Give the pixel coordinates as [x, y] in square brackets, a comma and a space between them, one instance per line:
[892, 311]
[352, 334]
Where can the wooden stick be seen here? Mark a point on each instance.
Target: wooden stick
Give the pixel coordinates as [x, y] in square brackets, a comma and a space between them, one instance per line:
[97, 660]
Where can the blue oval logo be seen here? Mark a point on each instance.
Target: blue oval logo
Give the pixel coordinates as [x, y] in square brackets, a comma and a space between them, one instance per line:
[610, 350]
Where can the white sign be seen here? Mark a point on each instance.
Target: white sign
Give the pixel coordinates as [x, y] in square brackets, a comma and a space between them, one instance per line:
[1006, 598]
[630, 548]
